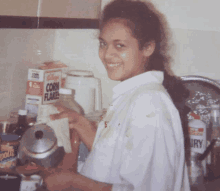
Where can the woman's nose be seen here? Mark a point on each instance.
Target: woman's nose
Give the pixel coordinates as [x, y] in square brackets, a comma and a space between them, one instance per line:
[110, 52]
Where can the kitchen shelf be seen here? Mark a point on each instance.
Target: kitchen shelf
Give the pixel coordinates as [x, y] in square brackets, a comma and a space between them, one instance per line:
[47, 23]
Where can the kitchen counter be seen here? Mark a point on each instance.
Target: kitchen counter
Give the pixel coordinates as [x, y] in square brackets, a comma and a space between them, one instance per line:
[207, 186]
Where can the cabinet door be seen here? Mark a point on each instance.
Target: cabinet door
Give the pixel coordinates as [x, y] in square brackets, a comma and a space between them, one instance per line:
[19, 8]
[88, 9]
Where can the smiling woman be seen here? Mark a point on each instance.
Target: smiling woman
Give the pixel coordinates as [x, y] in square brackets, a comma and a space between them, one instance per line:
[139, 144]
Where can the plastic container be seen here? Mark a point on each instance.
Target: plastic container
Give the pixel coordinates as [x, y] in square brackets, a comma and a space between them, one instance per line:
[87, 88]
[197, 133]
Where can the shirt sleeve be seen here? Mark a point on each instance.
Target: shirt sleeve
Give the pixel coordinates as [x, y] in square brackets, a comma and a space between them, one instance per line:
[151, 148]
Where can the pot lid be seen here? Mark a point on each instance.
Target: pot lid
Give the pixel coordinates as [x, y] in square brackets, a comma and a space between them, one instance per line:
[39, 139]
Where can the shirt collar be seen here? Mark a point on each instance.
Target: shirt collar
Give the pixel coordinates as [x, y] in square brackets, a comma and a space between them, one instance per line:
[136, 81]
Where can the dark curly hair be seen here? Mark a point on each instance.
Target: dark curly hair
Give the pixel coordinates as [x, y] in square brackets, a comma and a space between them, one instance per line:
[146, 25]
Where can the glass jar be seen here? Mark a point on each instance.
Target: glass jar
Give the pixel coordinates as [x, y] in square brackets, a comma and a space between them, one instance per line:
[22, 124]
[67, 100]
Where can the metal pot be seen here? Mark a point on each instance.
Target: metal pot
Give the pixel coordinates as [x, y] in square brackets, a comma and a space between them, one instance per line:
[39, 145]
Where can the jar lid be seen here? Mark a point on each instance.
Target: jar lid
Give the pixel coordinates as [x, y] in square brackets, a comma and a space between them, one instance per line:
[80, 73]
[9, 137]
[65, 91]
[22, 112]
[196, 123]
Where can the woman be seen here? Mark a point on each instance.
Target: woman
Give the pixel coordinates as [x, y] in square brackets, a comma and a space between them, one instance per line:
[139, 144]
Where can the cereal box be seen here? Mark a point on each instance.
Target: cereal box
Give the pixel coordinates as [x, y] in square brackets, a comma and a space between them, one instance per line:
[44, 83]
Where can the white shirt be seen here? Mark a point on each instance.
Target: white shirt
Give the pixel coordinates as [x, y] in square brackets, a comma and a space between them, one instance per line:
[139, 145]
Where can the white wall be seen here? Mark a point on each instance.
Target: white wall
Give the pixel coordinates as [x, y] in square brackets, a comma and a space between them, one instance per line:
[196, 34]
[197, 53]
[191, 14]
[18, 52]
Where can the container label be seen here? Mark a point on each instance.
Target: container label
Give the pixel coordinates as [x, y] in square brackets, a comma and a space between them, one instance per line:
[197, 139]
[194, 131]
[8, 156]
[34, 88]
[7, 152]
[35, 75]
[52, 85]
[196, 143]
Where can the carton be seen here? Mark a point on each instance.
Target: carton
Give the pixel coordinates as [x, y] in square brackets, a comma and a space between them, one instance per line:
[42, 88]
[43, 85]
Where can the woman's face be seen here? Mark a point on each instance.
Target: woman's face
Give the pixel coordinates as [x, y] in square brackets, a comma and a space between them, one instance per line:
[120, 53]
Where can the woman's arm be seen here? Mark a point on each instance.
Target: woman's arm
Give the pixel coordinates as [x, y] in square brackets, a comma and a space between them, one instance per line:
[65, 180]
[85, 128]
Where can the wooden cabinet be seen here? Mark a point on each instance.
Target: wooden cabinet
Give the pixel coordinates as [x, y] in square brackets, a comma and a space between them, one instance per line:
[51, 8]
[19, 8]
[87, 9]
[49, 13]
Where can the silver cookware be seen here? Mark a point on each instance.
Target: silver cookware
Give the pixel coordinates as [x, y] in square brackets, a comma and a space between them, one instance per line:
[39, 145]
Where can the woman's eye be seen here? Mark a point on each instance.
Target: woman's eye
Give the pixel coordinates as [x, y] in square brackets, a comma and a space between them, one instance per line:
[102, 44]
[120, 45]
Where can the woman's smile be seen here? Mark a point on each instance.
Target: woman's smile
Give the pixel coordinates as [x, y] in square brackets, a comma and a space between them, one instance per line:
[111, 65]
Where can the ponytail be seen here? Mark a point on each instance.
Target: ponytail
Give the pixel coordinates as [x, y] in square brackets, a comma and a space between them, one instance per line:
[179, 95]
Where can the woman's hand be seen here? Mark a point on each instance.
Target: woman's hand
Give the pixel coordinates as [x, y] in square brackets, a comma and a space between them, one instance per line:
[66, 180]
[85, 128]
[58, 181]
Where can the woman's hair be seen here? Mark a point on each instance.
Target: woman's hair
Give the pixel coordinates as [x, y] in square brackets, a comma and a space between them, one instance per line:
[146, 25]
